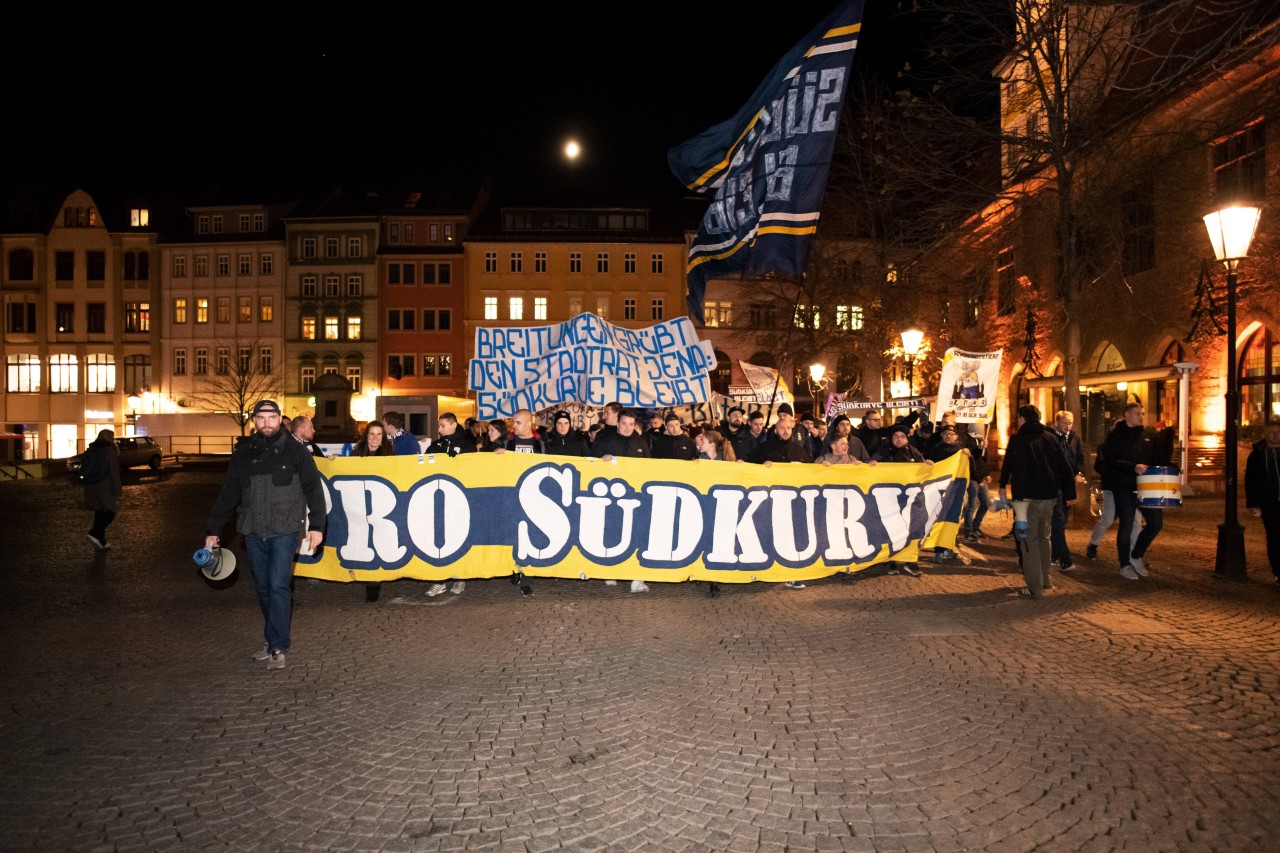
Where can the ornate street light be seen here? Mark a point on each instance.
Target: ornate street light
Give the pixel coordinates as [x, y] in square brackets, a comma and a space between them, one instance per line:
[1231, 231]
[911, 340]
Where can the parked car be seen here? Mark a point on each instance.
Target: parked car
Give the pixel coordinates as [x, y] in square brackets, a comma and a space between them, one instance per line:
[135, 450]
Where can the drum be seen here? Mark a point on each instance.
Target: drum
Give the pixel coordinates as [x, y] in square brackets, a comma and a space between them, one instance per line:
[1160, 488]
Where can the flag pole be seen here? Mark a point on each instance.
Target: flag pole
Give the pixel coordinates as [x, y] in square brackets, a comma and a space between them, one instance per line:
[786, 347]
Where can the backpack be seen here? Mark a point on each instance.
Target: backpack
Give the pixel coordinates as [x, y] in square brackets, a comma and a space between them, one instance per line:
[93, 465]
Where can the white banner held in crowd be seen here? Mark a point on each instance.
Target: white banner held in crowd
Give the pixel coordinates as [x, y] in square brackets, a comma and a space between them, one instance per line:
[842, 406]
[590, 361]
[766, 383]
[968, 383]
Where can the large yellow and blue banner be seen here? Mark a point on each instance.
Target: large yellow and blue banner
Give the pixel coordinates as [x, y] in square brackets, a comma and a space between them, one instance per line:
[482, 515]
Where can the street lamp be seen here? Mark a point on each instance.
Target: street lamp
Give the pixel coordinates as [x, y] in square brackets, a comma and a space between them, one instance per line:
[818, 381]
[1231, 231]
[911, 340]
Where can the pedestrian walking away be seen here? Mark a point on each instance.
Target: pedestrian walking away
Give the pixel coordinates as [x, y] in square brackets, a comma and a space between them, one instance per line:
[1072, 450]
[1039, 474]
[1262, 489]
[100, 473]
[275, 490]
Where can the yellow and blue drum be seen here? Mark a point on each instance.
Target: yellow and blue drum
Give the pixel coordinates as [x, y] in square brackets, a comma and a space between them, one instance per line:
[1160, 488]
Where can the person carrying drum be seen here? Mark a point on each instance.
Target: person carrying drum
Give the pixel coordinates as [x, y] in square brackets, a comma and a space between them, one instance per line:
[1127, 453]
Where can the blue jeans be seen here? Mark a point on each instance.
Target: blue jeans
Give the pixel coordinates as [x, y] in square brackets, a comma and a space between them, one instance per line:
[976, 504]
[272, 562]
[1126, 504]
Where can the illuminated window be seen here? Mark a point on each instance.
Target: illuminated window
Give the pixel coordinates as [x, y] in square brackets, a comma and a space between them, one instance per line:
[515, 308]
[202, 310]
[100, 372]
[266, 309]
[246, 309]
[718, 314]
[64, 373]
[849, 318]
[539, 307]
[491, 307]
[330, 328]
[24, 374]
[179, 311]
[139, 217]
[602, 307]
[353, 328]
[353, 378]
[308, 328]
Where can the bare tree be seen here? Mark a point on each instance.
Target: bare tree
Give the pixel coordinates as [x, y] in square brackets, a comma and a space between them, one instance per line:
[1080, 80]
[240, 378]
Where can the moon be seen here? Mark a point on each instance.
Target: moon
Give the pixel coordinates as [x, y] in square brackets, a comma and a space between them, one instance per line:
[572, 149]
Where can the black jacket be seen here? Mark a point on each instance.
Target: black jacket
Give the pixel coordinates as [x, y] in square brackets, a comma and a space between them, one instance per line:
[1034, 464]
[1071, 449]
[452, 445]
[613, 444]
[667, 446]
[572, 443]
[872, 439]
[888, 453]
[775, 449]
[1124, 448]
[1262, 475]
[274, 485]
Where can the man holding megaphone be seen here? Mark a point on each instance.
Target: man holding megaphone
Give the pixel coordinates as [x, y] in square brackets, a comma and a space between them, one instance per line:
[1040, 476]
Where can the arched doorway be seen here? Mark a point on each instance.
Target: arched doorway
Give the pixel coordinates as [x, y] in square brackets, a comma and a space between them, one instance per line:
[1259, 382]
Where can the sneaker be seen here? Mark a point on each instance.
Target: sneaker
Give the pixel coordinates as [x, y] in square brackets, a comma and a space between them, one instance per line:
[1129, 572]
[372, 592]
[794, 585]
[1091, 552]
[1139, 566]
[1066, 567]
[639, 586]
[942, 555]
[978, 534]
[97, 543]
[458, 587]
[262, 653]
[910, 569]
[435, 589]
[526, 590]
[610, 583]
[972, 536]
[276, 661]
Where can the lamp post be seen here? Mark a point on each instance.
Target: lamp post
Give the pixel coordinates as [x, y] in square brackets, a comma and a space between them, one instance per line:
[818, 380]
[1231, 231]
[911, 340]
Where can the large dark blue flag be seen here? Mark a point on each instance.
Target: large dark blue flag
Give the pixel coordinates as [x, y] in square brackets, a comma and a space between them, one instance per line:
[768, 164]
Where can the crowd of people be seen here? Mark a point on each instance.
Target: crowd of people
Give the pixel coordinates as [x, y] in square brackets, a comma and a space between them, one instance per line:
[1041, 470]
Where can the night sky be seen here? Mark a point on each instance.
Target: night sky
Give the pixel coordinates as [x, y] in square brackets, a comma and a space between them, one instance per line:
[251, 101]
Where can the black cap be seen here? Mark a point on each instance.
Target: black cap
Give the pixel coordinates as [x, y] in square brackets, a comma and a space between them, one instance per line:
[562, 415]
[266, 406]
[902, 428]
[671, 416]
[737, 409]
[785, 409]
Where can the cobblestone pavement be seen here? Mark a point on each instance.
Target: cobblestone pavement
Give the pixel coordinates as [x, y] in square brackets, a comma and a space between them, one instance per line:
[879, 713]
